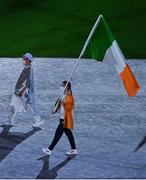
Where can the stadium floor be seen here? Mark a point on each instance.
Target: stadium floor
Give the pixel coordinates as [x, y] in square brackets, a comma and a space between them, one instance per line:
[108, 125]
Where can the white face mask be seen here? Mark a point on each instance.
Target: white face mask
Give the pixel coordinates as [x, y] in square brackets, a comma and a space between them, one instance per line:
[61, 90]
[23, 63]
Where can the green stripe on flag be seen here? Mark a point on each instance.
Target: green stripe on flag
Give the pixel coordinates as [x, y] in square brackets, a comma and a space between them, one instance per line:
[101, 40]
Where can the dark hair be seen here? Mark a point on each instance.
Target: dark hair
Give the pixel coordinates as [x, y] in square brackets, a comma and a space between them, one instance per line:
[68, 85]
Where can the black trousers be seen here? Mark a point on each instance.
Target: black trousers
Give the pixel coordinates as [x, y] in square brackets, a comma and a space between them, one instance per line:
[59, 132]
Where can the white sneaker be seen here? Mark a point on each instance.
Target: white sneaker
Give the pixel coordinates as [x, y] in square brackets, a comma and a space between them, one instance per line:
[46, 151]
[72, 152]
[38, 123]
[9, 123]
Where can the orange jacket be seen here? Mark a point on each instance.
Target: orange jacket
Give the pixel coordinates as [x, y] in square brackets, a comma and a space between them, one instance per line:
[68, 109]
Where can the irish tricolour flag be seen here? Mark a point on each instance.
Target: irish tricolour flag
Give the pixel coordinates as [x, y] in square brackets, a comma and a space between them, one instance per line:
[102, 46]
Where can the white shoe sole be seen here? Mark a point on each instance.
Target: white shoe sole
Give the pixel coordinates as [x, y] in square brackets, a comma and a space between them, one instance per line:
[38, 124]
[44, 151]
[69, 154]
[9, 123]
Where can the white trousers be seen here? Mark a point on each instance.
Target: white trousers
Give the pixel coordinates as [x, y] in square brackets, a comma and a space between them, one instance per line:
[18, 104]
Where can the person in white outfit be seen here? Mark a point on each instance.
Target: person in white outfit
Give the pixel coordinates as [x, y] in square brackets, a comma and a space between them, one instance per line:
[23, 99]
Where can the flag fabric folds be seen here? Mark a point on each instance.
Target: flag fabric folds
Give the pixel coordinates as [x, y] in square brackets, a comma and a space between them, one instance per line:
[103, 47]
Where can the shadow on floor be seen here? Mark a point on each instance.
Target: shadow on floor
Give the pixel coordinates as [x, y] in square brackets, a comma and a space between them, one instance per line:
[141, 144]
[9, 140]
[46, 172]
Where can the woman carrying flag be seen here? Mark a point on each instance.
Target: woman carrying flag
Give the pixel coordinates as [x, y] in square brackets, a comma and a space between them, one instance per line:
[66, 120]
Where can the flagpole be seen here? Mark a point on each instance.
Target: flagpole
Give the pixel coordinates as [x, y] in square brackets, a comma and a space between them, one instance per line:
[85, 45]
[82, 52]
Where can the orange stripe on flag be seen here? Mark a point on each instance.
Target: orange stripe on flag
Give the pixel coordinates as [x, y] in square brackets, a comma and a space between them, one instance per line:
[129, 81]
